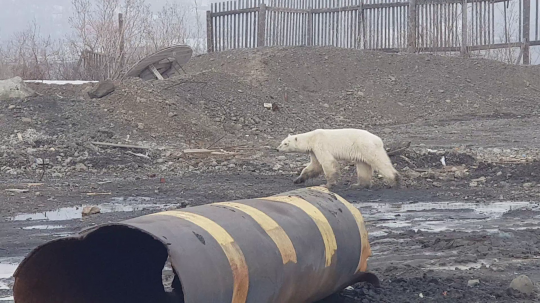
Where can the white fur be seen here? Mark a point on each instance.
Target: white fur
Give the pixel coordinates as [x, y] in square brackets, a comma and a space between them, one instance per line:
[327, 146]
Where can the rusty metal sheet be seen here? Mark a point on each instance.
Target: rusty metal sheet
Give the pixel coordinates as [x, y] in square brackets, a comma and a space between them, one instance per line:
[299, 246]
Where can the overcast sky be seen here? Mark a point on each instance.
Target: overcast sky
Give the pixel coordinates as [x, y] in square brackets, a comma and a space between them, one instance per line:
[52, 15]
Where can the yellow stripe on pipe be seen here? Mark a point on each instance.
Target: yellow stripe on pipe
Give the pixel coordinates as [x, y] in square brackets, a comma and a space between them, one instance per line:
[366, 249]
[328, 237]
[230, 248]
[271, 227]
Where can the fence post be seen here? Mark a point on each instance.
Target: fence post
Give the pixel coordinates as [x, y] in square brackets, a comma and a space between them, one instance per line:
[209, 32]
[411, 31]
[261, 31]
[526, 31]
[464, 51]
[309, 29]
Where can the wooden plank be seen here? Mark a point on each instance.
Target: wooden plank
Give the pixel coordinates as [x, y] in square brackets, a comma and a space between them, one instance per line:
[337, 27]
[411, 37]
[154, 70]
[388, 15]
[294, 21]
[463, 49]
[252, 25]
[349, 25]
[220, 30]
[234, 11]
[526, 31]
[298, 27]
[472, 47]
[288, 24]
[209, 32]
[227, 26]
[536, 20]
[243, 24]
[261, 30]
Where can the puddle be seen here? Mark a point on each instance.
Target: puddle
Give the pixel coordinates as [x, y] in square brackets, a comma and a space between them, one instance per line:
[118, 204]
[7, 268]
[383, 218]
[495, 208]
[466, 266]
[44, 227]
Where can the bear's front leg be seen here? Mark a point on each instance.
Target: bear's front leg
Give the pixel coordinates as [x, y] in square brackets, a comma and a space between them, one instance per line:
[313, 170]
[331, 169]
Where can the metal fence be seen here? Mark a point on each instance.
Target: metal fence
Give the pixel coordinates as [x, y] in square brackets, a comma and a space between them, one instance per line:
[415, 25]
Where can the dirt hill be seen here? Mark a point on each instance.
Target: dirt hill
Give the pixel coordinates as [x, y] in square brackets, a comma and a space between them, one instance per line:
[222, 97]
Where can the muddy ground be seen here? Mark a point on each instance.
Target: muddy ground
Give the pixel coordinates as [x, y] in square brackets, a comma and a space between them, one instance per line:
[426, 242]
[468, 208]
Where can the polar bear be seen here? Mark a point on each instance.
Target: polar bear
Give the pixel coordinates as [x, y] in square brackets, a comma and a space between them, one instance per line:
[327, 146]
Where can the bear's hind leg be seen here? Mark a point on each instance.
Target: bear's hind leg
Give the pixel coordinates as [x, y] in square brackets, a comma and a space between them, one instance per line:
[313, 170]
[330, 167]
[364, 174]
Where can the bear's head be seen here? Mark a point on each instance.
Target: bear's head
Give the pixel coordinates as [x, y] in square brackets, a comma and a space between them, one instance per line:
[290, 145]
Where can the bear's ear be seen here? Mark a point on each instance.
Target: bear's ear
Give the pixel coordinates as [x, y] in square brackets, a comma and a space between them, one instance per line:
[295, 138]
[289, 135]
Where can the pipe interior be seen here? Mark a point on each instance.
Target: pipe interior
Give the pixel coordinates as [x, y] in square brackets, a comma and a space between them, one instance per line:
[111, 264]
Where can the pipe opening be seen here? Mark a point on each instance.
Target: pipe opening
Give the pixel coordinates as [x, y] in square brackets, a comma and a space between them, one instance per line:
[111, 264]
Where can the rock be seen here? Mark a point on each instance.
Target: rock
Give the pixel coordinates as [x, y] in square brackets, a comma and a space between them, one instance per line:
[281, 158]
[481, 179]
[459, 174]
[528, 184]
[140, 125]
[81, 167]
[522, 284]
[102, 89]
[473, 184]
[90, 210]
[14, 88]
[472, 283]
[26, 120]
[172, 114]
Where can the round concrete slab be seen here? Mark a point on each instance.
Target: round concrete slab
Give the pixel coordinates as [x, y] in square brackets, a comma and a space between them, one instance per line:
[163, 60]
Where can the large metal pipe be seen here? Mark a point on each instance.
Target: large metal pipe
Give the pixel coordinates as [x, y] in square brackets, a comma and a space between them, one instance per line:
[299, 246]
